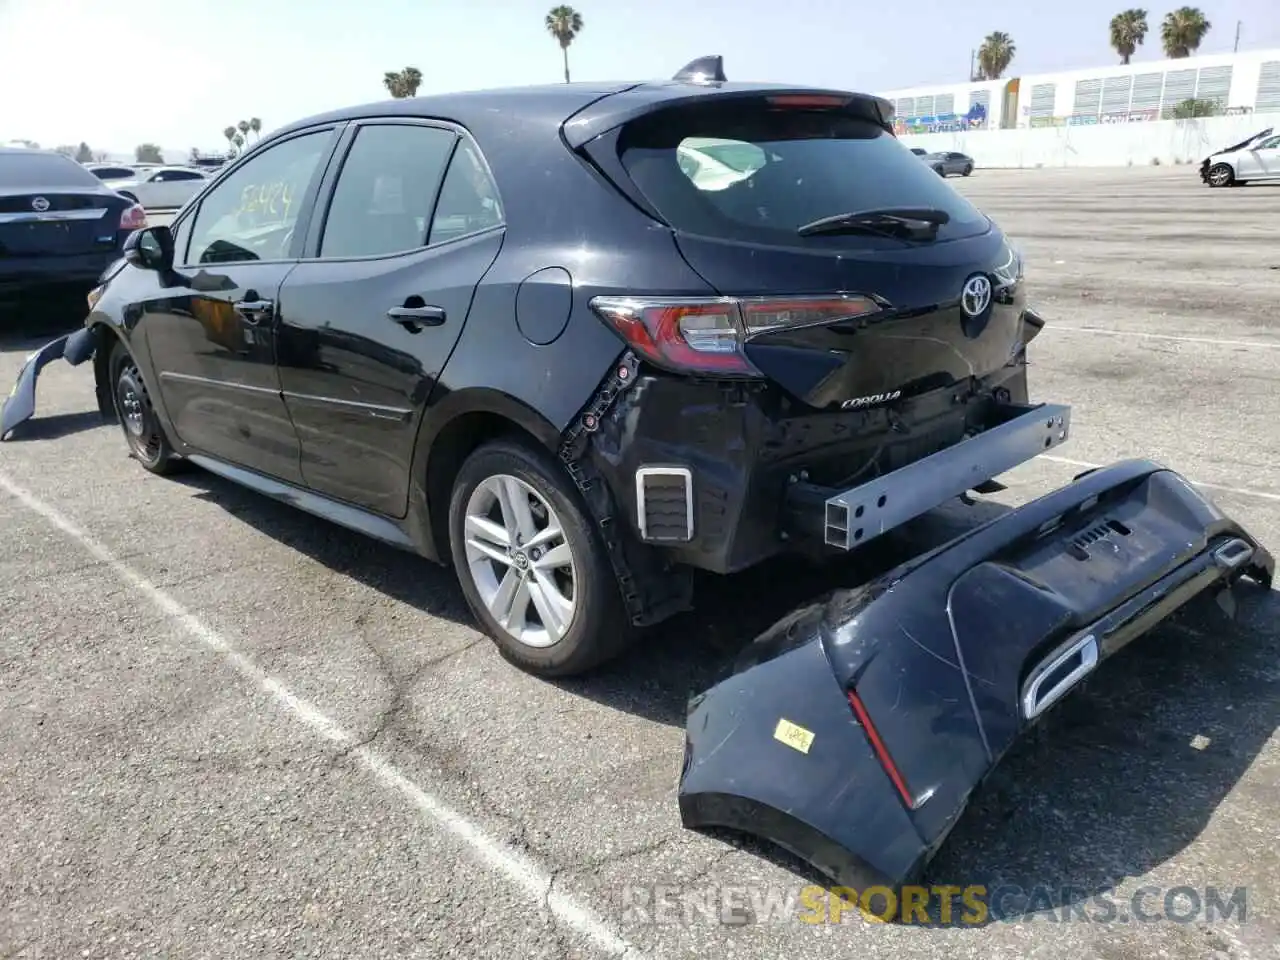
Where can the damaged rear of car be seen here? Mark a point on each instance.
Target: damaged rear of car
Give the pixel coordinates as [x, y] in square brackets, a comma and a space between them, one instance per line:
[855, 730]
[852, 326]
[751, 323]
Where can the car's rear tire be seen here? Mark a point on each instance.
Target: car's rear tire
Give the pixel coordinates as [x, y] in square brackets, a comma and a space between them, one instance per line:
[549, 600]
[1221, 175]
[143, 433]
[967, 170]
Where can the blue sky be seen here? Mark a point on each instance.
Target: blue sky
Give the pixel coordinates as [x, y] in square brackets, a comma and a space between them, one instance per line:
[175, 72]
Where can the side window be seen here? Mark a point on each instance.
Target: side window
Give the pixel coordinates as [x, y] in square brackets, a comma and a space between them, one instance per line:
[1271, 144]
[384, 193]
[469, 198]
[251, 214]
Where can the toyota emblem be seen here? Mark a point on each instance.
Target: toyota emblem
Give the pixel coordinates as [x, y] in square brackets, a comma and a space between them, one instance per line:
[976, 296]
[39, 204]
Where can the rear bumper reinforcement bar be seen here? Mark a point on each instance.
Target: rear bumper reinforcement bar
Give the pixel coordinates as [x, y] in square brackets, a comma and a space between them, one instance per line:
[855, 516]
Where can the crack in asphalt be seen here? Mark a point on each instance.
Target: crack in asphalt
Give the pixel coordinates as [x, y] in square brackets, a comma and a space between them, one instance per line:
[399, 686]
[596, 863]
[77, 568]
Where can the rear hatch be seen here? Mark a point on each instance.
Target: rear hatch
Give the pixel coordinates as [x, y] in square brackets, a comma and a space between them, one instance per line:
[50, 206]
[844, 314]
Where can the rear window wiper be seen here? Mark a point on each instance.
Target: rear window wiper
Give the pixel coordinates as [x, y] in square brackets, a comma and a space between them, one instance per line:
[894, 221]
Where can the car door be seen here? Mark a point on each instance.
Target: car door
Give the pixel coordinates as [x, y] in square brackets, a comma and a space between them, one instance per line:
[150, 190]
[171, 188]
[411, 224]
[1268, 159]
[210, 326]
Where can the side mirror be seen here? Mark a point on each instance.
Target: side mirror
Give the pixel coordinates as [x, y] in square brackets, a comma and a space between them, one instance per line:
[150, 248]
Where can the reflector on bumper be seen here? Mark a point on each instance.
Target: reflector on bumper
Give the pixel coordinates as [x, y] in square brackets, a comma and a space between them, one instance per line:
[853, 732]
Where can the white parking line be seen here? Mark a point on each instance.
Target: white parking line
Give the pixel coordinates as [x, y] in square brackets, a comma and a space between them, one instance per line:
[1262, 344]
[506, 861]
[1241, 491]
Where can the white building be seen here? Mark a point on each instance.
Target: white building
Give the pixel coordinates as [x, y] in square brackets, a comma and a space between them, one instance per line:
[1236, 82]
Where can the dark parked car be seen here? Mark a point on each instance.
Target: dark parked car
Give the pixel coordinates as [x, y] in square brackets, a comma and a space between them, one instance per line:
[947, 163]
[450, 322]
[60, 227]
[543, 335]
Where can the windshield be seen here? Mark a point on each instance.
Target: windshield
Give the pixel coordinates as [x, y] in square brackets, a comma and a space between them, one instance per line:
[741, 170]
[21, 171]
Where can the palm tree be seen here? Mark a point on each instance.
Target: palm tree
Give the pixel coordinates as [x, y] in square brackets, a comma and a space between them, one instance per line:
[230, 134]
[243, 127]
[1128, 30]
[1182, 31]
[995, 55]
[564, 23]
[255, 124]
[402, 83]
[238, 141]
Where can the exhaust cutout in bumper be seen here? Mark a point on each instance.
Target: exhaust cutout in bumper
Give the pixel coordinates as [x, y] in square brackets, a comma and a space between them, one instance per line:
[854, 731]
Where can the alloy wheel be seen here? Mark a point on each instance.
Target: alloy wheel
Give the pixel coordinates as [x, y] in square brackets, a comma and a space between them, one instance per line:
[1220, 175]
[521, 561]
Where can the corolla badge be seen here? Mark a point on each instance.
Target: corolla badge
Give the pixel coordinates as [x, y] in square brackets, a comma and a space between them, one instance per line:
[39, 204]
[976, 295]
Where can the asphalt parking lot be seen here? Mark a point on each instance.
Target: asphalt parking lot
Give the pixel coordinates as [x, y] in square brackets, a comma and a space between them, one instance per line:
[231, 730]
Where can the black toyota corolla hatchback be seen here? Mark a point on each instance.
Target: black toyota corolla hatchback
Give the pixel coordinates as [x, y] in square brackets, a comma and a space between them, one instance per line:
[576, 341]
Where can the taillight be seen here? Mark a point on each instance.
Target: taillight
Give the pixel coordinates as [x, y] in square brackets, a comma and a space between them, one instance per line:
[135, 218]
[881, 751]
[707, 335]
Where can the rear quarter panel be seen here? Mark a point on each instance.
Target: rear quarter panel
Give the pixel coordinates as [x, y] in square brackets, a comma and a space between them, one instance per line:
[582, 239]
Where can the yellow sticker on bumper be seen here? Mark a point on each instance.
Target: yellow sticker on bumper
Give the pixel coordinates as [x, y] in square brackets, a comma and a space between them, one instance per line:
[793, 735]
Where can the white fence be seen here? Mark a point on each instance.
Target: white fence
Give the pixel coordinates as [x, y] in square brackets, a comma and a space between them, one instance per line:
[1103, 145]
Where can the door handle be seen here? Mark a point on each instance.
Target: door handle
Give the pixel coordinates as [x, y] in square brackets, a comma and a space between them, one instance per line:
[254, 311]
[413, 318]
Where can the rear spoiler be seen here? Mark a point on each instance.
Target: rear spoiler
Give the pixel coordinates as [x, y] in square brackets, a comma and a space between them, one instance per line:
[699, 80]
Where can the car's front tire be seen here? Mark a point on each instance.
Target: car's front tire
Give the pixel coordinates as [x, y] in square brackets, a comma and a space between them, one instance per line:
[940, 171]
[142, 430]
[531, 562]
[967, 170]
[1221, 175]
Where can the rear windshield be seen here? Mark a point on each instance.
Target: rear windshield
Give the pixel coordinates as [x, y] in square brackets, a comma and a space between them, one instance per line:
[25, 170]
[748, 172]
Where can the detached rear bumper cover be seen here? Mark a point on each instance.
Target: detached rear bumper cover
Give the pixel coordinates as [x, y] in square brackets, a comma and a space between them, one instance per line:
[949, 658]
[20, 405]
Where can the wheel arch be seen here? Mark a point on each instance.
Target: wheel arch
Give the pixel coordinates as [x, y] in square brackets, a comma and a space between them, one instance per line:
[112, 330]
[1223, 162]
[450, 431]
[106, 336]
